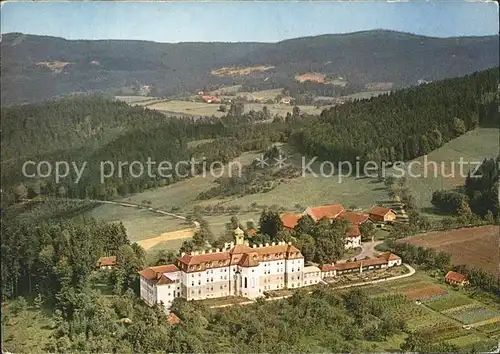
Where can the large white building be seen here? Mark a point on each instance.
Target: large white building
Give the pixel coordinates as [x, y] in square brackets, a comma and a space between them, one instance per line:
[239, 270]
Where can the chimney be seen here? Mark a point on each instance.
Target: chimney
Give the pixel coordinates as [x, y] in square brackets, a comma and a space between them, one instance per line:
[273, 244]
[267, 244]
[260, 245]
[254, 246]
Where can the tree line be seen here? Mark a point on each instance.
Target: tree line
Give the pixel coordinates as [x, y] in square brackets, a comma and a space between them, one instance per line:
[479, 195]
[404, 124]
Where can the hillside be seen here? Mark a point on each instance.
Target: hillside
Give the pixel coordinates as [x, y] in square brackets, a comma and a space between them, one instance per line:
[38, 67]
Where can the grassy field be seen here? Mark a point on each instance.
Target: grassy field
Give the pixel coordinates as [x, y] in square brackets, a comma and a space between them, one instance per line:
[301, 192]
[473, 146]
[25, 331]
[188, 108]
[139, 223]
[136, 100]
[207, 109]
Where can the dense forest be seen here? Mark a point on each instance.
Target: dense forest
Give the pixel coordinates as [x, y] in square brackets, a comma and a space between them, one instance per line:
[404, 124]
[93, 129]
[177, 69]
[479, 194]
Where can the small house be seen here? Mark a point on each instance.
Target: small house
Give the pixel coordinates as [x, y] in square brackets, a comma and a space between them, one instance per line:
[381, 214]
[290, 220]
[106, 262]
[173, 319]
[326, 211]
[455, 278]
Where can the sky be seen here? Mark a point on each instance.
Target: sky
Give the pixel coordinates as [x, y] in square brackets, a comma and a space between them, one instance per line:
[234, 21]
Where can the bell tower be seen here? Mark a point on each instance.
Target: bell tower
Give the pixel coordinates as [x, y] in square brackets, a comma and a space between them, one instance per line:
[239, 236]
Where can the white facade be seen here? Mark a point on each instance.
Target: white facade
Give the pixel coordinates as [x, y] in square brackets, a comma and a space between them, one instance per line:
[238, 271]
[352, 242]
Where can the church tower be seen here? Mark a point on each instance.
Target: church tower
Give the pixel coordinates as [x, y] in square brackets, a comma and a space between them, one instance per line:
[239, 236]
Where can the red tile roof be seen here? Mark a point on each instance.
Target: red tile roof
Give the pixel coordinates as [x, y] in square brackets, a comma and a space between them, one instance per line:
[380, 211]
[194, 262]
[106, 261]
[389, 256]
[455, 277]
[173, 319]
[290, 220]
[353, 218]
[329, 211]
[164, 280]
[249, 260]
[153, 273]
[354, 232]
[380, 260]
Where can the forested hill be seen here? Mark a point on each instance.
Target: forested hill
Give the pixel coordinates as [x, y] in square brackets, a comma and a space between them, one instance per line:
[38, 67]
[405, 124]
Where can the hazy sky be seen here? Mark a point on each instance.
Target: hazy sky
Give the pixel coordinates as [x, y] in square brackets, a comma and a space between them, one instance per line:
[244, 21]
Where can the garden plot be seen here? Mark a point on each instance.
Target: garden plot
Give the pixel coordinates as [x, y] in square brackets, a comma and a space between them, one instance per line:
[427, 293]
[471, 315]
[445, 303]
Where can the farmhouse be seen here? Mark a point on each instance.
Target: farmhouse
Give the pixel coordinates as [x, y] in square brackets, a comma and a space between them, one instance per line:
[331, 212]
[353, 218]
[173, 319]
[455, 278]
[326, 211]
[211, 99]
[290, 220]
[106, 262]
[381, 214]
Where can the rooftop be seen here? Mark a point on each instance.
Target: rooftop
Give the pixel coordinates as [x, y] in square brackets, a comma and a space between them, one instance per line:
[380, 210]
[329, 211]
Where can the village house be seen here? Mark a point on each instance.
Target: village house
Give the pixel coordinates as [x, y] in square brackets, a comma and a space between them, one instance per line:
[211, 99]
[331, 212]
[173, 319]
[382, 215]
[106, 262]
[290, 220]
[455, 278]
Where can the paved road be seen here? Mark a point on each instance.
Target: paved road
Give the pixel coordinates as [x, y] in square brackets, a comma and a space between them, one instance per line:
[369, 249]
[409, 274]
